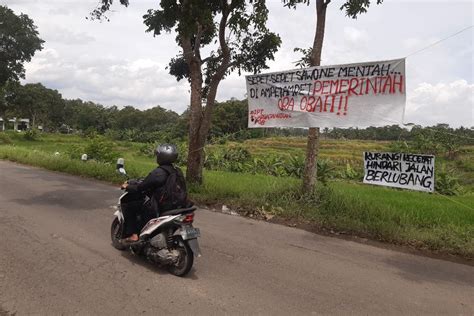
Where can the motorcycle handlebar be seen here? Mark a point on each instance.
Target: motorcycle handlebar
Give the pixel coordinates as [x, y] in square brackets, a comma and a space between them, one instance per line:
[132, 181]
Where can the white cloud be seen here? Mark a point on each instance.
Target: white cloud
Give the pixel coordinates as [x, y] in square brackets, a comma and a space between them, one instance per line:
[449, 103]
[355, 35]
[109, 80]
[60, 11]
[66, 37]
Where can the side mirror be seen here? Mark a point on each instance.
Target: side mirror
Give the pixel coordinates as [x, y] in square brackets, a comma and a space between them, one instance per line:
[120, 166]
[122, 171]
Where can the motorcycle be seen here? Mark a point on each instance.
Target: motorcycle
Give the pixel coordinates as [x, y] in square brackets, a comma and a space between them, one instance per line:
[169, 240]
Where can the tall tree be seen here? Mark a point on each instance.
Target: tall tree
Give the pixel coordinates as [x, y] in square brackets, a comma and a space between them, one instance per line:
[230, 117]
[36, 102]
[236, 33]
[88, 115]
[18, 43]
[352, 9]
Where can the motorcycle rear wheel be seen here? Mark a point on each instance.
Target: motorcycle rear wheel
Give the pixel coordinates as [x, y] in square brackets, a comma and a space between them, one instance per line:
[116, 231]
[185, 262]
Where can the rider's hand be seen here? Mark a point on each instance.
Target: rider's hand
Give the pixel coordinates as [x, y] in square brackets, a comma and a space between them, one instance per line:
[124, 186]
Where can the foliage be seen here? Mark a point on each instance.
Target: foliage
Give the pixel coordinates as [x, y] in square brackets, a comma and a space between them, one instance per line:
[147, 149]
[295, 166]
[324, 170]
[249, 44]
[229, 119]
[97, 148]
[439, 138]
[32, 134]
[351, 173]
[182, 153]
[400, 147]
[18, 43]
[446, 182]
[93, 169]
[352, 8]
[305, 60]
[435, 140]
[424, 142]
[36, 102]
[237, 154]
[5, 139]
[101, 150]
[239, 159]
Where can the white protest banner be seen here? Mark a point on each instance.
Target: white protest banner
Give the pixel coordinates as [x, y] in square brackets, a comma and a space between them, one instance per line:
[407, 171]
[352, 95]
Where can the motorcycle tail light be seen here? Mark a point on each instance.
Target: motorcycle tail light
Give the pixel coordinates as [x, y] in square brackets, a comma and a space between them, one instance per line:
[189, 218]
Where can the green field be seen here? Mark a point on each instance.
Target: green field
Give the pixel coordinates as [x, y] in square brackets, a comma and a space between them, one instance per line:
[443, 224]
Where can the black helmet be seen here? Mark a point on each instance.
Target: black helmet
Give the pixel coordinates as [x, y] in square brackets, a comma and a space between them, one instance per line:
[166, 154]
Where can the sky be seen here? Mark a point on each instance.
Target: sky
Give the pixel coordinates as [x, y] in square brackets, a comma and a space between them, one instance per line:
[118, 63]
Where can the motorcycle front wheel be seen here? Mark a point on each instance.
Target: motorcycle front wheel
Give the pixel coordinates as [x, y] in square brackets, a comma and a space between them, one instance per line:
[185, 260]
[116, 231]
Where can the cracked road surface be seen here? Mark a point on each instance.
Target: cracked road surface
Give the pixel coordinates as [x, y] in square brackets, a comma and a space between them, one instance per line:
[56, 258]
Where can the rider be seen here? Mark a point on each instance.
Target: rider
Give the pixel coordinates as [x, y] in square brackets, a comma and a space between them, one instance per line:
[152, 186]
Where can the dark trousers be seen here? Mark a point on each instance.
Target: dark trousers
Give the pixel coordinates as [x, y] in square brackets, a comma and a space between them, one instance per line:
[136, 216]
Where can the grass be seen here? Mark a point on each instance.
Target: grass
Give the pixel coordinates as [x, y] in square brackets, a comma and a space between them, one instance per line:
[425, 220]
[60, 163]
[422, 220]
[339, 153]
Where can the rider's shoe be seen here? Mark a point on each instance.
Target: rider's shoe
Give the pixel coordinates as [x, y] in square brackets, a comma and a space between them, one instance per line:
[130, 240]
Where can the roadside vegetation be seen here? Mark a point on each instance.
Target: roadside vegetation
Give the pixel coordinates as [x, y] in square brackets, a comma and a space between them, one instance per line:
[259, 178]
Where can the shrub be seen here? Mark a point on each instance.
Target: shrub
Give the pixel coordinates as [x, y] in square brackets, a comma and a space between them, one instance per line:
[295, 166]
[113, 134]
[447, 183]
[75, 151]
[90, 132]
[32, 135]
[233, 159]
[237, 154]
[324, 170]
[351, 173]
[101, 150]
[147, 149]
[182, 153]
[400, 146]
[5, 139]
[97, 148]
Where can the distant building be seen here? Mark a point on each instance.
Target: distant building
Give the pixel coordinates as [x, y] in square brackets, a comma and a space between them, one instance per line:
[18, 124]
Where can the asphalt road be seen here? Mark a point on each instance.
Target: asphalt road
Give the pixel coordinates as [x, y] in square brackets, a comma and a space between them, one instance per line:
[56, 258]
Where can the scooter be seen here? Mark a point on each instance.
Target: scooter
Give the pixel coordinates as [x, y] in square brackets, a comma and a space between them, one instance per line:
[169, 240]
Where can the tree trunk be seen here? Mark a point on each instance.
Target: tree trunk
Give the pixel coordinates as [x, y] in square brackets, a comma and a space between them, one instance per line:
[196, 143]
[310, 168]
[312, 148]
[200, 120]
[196, 146]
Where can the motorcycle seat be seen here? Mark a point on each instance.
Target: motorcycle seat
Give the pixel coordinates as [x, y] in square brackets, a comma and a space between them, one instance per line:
[179, 211]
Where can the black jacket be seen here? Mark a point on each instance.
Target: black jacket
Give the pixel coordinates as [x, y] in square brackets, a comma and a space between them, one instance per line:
[152, 186]
[153, 181]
